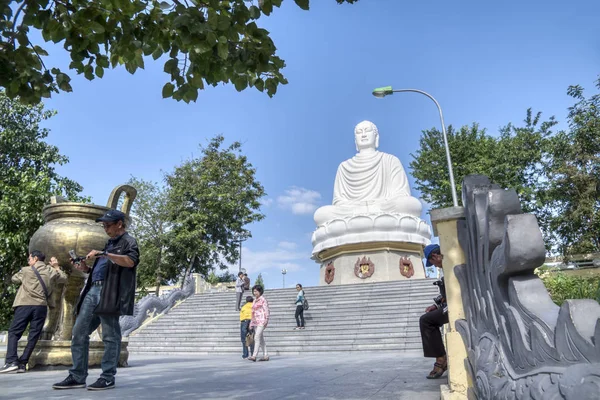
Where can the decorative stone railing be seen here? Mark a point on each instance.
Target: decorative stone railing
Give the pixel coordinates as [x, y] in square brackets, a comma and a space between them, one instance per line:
[204, 287]
[150, 306]
[520, 344]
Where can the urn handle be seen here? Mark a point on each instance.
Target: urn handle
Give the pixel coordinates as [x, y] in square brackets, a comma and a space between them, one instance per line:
[113, 199]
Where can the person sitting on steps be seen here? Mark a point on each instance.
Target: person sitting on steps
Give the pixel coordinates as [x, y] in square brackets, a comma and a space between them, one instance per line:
[434, 318]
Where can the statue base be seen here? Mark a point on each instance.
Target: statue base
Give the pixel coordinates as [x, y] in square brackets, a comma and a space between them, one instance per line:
[371, 262]
[58, 352]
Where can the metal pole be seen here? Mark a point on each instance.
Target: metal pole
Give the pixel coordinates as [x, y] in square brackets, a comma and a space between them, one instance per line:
[240, 269]
[283, 272]
[450, 171]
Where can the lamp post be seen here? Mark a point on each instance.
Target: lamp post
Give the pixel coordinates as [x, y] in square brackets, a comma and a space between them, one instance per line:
[283, 272]
[241, 238]
[388, 90]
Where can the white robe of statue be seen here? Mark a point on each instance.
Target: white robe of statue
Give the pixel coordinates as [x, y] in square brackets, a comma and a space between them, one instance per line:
[370, 183]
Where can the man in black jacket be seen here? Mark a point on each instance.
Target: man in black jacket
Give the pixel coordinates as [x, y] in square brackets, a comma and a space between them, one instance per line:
[109, 293]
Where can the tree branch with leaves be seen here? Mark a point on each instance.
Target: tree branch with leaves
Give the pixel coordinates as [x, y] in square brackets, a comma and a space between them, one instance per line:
[204, 43]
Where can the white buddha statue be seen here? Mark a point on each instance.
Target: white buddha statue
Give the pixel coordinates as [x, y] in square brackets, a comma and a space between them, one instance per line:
[370, 183]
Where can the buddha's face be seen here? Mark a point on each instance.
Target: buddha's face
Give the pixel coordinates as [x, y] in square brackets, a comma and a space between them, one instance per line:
[366, 136]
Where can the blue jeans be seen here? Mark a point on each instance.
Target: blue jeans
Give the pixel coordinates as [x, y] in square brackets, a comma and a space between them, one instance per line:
[85, 324]
[244, 328]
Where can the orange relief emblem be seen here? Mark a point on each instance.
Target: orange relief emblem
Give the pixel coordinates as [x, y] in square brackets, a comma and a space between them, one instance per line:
[364, 268]
[406, 267]
[329, 273]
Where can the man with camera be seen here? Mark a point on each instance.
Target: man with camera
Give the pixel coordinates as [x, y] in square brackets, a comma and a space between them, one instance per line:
[109, 292]
[434, 318]
[31, 307]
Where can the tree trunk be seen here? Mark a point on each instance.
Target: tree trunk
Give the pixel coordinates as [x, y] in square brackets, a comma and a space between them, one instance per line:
[188, 270]
[158, 273]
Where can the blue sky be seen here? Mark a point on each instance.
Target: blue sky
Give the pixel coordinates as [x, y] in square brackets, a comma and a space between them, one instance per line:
[484, 63]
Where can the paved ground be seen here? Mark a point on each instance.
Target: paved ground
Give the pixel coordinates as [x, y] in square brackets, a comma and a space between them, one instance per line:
[363, 375]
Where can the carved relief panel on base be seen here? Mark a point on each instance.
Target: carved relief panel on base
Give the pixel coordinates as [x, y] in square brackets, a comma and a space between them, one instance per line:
[406, 267]
[329, 273]
[364, 268]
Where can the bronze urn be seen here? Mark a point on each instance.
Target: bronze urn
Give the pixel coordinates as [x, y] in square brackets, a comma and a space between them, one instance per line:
[71, 226]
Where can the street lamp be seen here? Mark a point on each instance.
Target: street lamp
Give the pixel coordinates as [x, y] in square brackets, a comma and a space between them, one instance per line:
[241, 237]
[283, 272]
[387, 90]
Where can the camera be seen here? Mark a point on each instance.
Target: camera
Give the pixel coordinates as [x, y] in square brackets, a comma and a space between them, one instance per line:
[440, 300]
[74, 257]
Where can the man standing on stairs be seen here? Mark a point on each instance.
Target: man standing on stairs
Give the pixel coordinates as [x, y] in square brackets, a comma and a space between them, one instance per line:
[246, 282]
[434, 318]
[239, 290]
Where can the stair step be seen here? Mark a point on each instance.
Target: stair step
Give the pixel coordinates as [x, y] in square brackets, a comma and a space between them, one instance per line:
[362, 317]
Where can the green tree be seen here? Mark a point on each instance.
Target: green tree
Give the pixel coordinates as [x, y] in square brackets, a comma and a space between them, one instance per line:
[259, 281]
[211, 198]
[471, 149]
[225, 277]
[150, 227]
[512, 160]
[204, 43]
[27, 180]
[573, 178]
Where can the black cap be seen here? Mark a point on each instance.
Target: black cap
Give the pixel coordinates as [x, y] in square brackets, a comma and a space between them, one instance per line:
[112, 216]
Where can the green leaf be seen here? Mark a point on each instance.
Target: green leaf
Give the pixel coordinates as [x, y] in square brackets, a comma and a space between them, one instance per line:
[99, 71]
[259, 84]
[102, 61]
[202, 47]
[224, 22]
[96, 27]
[303, 4]
[40, 51]
[164, 5]
[88, 72]
[167, 90]
[213, 19]
[157, 53]
[171, 65]
[223, 50]
[240, 84]
[196, 81]
[254, 12]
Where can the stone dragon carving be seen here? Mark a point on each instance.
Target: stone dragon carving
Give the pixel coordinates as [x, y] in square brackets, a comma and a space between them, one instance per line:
[151, 305]
[520, 344]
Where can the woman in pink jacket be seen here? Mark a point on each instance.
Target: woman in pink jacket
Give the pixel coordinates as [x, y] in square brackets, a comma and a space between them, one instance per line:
[260, 320]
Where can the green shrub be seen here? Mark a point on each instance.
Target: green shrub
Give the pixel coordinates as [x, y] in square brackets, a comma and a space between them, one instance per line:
[562, 286]
[6, 310]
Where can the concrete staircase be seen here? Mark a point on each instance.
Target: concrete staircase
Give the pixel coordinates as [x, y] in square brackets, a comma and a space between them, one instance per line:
[374, 316]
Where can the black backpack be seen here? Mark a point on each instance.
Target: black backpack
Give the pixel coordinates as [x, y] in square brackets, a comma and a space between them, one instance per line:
[305, 303]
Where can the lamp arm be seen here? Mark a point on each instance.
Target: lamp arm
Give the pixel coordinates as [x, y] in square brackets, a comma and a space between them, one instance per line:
[448, 159]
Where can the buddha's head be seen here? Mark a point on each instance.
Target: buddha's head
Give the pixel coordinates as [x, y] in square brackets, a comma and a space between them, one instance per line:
[366, 136]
